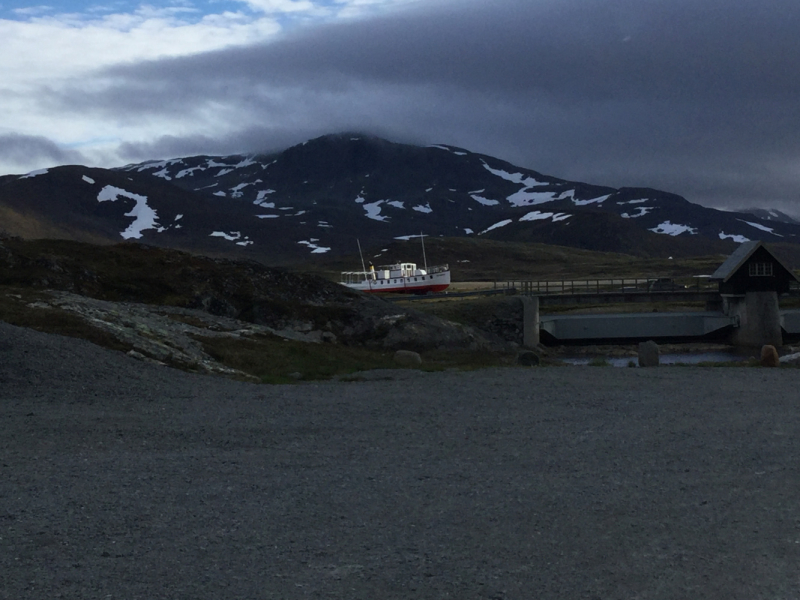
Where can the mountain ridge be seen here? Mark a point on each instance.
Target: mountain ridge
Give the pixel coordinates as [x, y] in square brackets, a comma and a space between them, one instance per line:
[321, 196]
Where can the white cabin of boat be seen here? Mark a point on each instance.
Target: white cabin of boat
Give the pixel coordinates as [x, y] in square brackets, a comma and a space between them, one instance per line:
[399, 278]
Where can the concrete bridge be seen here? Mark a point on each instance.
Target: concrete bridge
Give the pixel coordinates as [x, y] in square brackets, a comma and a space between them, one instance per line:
[742, 307]
[630, 327]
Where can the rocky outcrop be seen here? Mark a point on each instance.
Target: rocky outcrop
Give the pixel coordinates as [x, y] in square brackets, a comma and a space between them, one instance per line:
[295, 306]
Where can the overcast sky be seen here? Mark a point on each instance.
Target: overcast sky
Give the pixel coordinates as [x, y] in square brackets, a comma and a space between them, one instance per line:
[696, 97]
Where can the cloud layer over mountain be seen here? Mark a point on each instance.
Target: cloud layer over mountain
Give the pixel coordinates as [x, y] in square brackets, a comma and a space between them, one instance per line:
[697, 97]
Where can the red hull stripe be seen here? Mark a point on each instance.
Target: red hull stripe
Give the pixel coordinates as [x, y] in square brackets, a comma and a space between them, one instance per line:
[409, 290]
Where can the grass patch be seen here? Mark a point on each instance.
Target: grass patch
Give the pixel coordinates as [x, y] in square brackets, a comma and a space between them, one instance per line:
[275, 360]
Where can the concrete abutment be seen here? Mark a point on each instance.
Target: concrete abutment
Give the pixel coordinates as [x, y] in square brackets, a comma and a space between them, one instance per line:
[759, 318]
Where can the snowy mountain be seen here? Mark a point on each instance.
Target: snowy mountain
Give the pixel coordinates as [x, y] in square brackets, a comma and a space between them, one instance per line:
[321, 196]
[771, 214]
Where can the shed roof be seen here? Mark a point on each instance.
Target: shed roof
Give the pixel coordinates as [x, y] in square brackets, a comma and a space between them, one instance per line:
[739, 257]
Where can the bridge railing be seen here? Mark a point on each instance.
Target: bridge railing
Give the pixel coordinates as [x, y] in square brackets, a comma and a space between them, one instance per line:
[606, 286]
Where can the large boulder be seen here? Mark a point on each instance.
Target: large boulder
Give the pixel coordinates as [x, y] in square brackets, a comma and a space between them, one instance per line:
[649, 355]
[528, 359]
[407, 358]
[769, 356]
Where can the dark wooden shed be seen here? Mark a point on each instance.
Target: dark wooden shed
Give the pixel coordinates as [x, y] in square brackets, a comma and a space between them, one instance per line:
[753, 268]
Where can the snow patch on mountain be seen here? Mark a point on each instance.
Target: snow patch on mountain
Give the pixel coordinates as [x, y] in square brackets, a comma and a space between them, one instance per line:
[395, 203]
[144, 217]
[373, 210]
[541, 216]
[739, 239]
[190, 171]
[498, 225]
[88, 179]
[315, 249]
[527, 197]
[33, 174]
[236, 191]
[641, 211]
[263, 194]
[598, 200]
[484, 201]
[642, 201]
[233, 236]
[212, 164]
[525, 180]
[673, 229]
[161, 164]
[245, 163]
[761, 227]
[268, 216]
[423, 209]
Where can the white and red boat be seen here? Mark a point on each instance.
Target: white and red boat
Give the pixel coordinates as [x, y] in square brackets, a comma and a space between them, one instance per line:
[400, 278]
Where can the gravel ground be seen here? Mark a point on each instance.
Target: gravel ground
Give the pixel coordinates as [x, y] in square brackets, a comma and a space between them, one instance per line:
[120, 479]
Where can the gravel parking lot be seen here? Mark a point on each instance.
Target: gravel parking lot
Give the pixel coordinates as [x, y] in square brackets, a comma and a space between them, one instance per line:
[120, 479]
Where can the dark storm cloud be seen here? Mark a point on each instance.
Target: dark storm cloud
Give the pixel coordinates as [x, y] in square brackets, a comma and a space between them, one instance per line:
[23, 149]
[697, 97]
[262, 140]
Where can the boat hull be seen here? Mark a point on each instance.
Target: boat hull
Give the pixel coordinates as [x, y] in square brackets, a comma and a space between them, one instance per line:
[427, 284]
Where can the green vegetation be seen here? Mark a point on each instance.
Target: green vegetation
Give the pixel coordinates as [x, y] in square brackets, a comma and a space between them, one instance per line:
[29, 270]
[276, 360]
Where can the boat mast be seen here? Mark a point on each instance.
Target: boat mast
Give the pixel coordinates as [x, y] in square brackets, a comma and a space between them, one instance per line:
[363, 267]
[424, 258]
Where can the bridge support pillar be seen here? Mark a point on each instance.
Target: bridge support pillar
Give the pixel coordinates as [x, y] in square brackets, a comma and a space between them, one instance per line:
[530, 321]
[759, 318]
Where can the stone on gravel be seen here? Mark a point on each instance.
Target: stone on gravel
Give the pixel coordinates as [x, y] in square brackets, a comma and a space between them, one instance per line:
[648, 354]
[528, 359]
[407, 358]
[769, 356]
